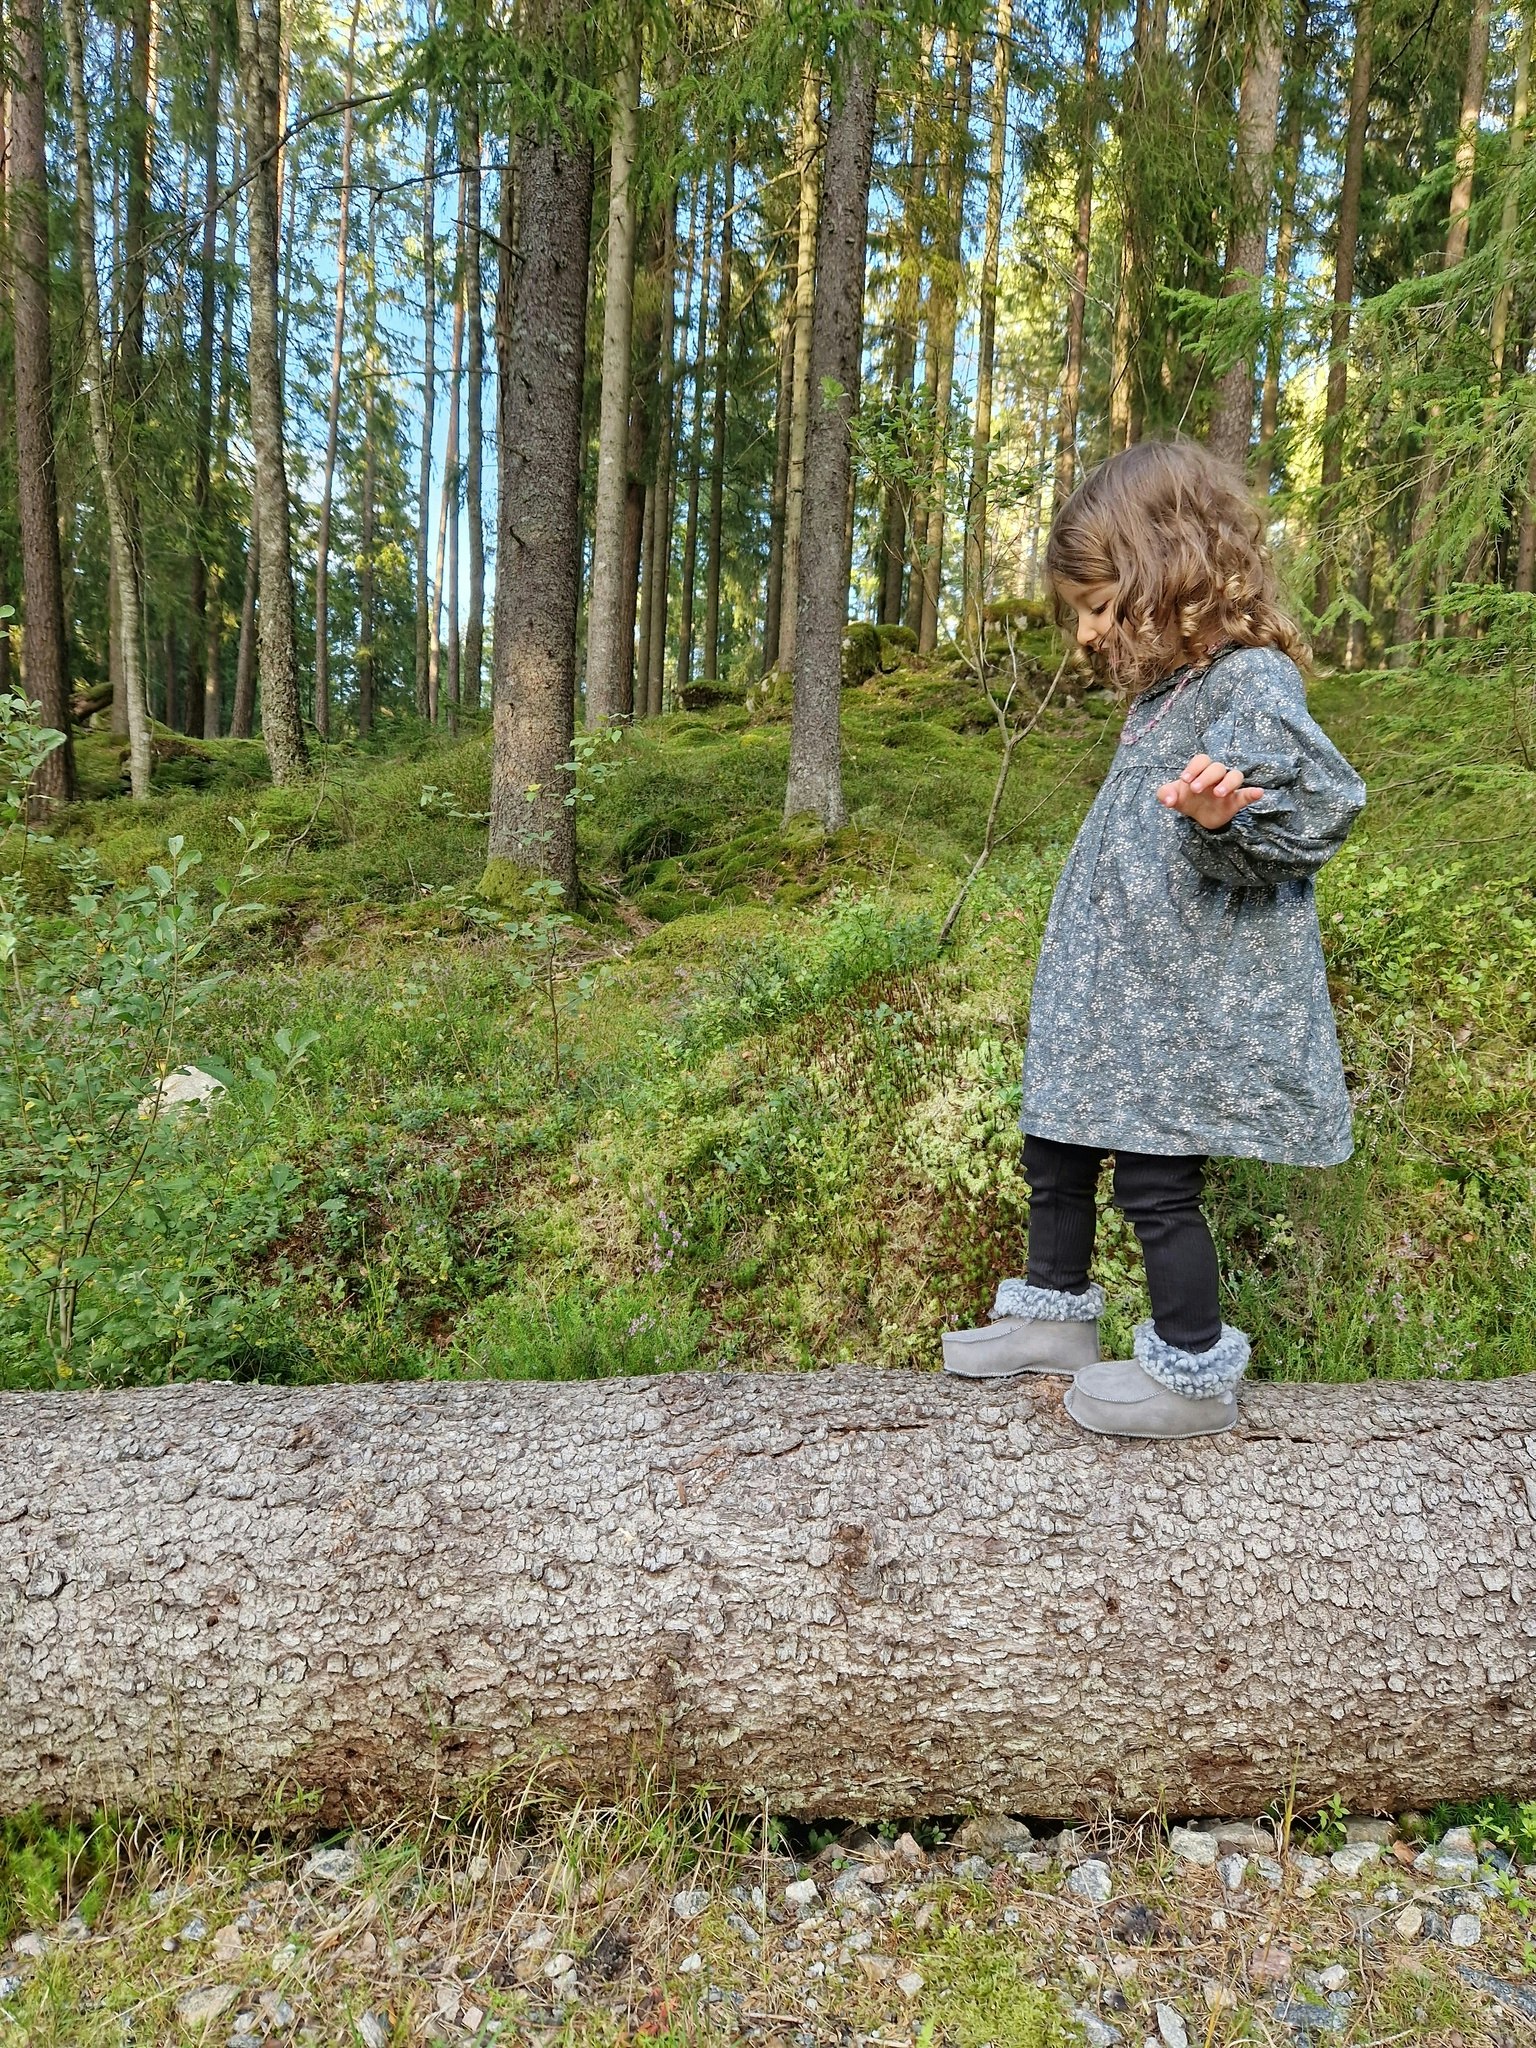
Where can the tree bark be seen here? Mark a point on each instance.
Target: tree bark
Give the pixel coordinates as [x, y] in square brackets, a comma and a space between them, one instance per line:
[1347, 240]
[974, 585]
[104, 443]
[815, 783]
[944, 302]
[1072, 368]
[425, 708]
[896, 530]
[653, 649]
[205, 568]
[717, 436]
[333, 404]
[277, 668]
[1405, 629]
[1285, 239]
[1231, 425]
[538, 575]
[447, 510]
[608, 697]
[37, 502]
[695, 446]
[808, 145]
[472, 659]
[779, 489]
[242, 711]
[844, 1592]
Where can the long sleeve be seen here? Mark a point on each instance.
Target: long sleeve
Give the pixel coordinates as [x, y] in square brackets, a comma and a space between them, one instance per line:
[1311, 798]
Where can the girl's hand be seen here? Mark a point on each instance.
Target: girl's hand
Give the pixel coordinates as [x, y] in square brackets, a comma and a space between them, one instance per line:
[1209, 792]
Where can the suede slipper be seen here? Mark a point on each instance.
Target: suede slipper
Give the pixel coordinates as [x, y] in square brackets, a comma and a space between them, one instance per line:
[1015, 1344]
[1118, 1399]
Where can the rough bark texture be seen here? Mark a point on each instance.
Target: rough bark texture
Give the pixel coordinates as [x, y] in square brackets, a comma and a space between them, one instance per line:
[976, 562]
[1346, 242]
[333, 405]
[1072, 367]
[424, 705]
[944, 286]
[276, 660]
[848, 1592]
[717, 428]
[472, 660]
[815, 782]
[539, 553]
[46, 660]
[808, 151]
[608, 693]
[695, 446]
[1258, 112]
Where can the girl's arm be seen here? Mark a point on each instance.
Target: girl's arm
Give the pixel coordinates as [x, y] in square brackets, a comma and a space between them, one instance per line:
[1311, 796]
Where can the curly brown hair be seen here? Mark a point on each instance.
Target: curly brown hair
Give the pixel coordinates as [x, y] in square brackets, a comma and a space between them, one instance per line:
[1175, 528]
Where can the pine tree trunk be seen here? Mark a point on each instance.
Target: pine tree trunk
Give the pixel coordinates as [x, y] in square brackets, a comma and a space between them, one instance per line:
[1072, 368]
[538, 578]
[1285, 237]
[333, 405]
[851, 1592]
[815, 784]
[1405, 631]
[808, 146]
[108, 454]
[974, 586]
[896, 529]
[774, 598]
[658, 575]
[1346, 241]
[1231, 424]
[447, 503]
[717, 437]
[242, 712]
[203, 650]
[944, 296]
[425, 708]
[7, 567]
[43, 643]
[277, 670]
[607, 658]
[695, 446]
[472, 663]
[629, 566]
[367, 572]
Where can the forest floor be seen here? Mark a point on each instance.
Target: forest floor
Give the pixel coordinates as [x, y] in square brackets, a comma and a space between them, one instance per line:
[759, 1118]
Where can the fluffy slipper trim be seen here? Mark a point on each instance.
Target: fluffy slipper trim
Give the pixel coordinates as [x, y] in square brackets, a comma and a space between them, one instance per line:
[1046, 1304]
[1198, 1375]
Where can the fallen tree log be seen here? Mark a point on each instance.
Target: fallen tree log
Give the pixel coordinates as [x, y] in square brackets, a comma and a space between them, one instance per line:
[846, 1592]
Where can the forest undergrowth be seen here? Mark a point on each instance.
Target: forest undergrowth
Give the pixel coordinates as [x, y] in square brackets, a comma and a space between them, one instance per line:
[778, 1129]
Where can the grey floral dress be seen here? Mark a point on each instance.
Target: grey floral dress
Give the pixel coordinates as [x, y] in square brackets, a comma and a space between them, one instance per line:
[1180, 1001]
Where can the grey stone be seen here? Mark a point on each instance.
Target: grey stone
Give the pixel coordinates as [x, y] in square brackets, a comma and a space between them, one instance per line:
[196, 1929]
[1334, 1978]
[803, 1893]
[1245, 1836]
[372, 2030]
[1454, 1866]
[1270, 1871]
[1098, 2033]
[9, 1986]
[1513, 1995]
[30, 1944]
[1232, 1870]
[1171, 2030]
[993, 1834]
[1306, 2018]
[1070, 1846]
[739, 1924]
[1192, 1845]
[1459, 1841]
[852, 1895]
[975, 1869]
[1355, 1857]
[201, 2007]
[1466, 1931]
[1033, 1861]
[334, 1866]
[1361, 1827]
[688, 1905]
[1091, 1880]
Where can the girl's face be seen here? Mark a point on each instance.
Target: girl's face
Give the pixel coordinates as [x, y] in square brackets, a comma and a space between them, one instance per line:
[1094, 604]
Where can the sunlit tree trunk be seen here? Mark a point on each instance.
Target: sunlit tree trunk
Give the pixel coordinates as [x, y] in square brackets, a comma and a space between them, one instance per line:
[695, 445]
[333, 405]
[205, 566]
[367, 571]
[243, 710]
[472, 658]
[1077, 305]
[717, 438]
[1231, 424]
[538, 576]
[1405, 630]
[608, 662]
[944, 292]
[896, 525]
[277, 671]
[774, 598]
[808, 152]
[1346, 242]
[447, 590]
[815, 783]
[975, 576]
[43, 643]
[1285, 239]
[108, 453]
[425, 708]
[654, 651]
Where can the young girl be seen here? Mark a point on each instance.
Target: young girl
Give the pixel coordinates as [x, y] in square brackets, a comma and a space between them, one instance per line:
[1180, 1004]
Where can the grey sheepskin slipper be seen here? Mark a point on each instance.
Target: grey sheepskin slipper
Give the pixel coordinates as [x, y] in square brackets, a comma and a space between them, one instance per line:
[1163, 1392]
[1032, 1329]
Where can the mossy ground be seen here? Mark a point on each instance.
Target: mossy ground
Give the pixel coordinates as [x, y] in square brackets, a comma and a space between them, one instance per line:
[784, 1130]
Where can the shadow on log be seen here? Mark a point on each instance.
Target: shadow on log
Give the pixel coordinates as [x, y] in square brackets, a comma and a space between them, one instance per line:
[846, 1592]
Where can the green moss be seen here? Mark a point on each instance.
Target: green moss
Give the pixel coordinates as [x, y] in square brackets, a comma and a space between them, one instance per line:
[505, 883]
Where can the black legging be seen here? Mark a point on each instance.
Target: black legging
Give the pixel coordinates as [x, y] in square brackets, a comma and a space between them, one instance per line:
[1161, 1199]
